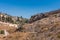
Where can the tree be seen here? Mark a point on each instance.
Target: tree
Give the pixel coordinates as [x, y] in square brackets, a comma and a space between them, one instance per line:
[25, 20]
[9, 19]
[21, 17]
[3, 19]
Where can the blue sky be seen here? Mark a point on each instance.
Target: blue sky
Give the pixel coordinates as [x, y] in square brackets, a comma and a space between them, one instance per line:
[26, 8]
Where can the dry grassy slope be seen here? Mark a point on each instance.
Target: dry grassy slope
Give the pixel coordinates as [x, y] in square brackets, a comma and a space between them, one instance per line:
[20, 36]
[8, 28]
[47, 28]
[44, 29]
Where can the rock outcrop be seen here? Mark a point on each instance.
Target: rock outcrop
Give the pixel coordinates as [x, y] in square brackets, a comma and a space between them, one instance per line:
[43, 15]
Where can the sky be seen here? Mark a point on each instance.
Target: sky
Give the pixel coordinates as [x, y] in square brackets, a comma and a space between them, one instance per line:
[27, 8]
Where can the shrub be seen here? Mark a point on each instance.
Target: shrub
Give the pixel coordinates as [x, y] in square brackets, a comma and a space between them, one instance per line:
[1, 31]
[26, 21]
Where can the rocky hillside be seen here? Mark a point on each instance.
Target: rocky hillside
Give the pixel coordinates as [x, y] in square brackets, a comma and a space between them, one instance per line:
[44, 15]
[45, 26]
[12, 19]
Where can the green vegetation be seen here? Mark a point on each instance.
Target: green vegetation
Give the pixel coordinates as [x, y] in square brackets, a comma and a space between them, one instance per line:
[1, 31]
[9, 19]
[26, 21]
[13, 19]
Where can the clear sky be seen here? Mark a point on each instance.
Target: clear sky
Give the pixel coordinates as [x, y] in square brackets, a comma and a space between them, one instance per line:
[26, 8]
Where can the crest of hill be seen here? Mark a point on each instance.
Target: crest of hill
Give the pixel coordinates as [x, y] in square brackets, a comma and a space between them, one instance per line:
[12, 19]
[43, 15]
